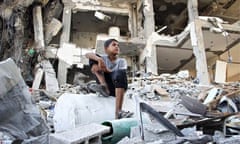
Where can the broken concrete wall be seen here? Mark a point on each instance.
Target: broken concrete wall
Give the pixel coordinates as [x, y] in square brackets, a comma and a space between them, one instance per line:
[232, 66]
[16, 31]
[15, 22]
[20, 117]
[88, 30]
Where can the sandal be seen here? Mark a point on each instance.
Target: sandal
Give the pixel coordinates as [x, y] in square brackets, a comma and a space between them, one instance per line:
[125, 114]
[98, 88]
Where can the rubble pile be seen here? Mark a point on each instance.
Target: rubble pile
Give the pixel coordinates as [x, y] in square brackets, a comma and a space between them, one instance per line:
[20, 121]
[174, 86]
[186, 103]
[199, 113]
[169, 91]
[165, 85]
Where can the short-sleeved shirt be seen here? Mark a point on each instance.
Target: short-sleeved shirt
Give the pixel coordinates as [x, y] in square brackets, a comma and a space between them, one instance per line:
[118, 64]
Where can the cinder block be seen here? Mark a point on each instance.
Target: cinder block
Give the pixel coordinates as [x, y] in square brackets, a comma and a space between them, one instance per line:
[86, 134]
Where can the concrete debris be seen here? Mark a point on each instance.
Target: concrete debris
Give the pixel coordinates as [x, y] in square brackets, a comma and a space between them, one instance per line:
[179, 108]
[74, 89]
[80, 109]
[153, 132]
[20, 117]
[165, 93]
[231, 140]
[91, 134]
[163, 85]
[220, 138]
[127, 140]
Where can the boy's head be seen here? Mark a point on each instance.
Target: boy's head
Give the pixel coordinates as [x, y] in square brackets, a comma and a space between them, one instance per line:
[111, 47]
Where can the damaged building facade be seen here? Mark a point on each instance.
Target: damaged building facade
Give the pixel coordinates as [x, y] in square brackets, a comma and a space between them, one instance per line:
[183, 69]
[152, 32]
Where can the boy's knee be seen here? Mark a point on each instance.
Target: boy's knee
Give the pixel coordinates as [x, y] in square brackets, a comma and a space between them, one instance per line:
[119, 74]
[94, 68]
[120, 79]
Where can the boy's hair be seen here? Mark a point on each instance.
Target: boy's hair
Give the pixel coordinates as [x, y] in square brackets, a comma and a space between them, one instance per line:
[108, 42]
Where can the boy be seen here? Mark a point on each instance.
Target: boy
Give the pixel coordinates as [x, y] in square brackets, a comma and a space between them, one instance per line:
[110, 72]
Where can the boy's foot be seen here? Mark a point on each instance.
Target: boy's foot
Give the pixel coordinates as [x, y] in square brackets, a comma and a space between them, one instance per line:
[125, 114]
[99, 88]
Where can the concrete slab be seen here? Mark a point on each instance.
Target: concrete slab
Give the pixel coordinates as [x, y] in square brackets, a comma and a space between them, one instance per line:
[72, 110]
[87, 134]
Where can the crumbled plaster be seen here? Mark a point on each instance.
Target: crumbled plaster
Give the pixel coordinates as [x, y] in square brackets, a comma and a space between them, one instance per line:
[93, 2]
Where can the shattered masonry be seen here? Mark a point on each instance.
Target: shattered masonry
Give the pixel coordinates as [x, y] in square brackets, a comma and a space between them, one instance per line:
[183, 70]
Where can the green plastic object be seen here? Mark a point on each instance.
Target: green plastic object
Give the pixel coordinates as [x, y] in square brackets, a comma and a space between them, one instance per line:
[119, 129]
[31, 52]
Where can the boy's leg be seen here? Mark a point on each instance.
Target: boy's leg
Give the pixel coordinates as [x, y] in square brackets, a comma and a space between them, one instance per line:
[103, 88]
[120, 81]
[99, 75]
[119, 92]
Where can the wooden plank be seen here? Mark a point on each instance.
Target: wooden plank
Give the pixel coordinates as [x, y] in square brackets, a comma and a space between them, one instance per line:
[51, 82]
[220, 72]
[198, 43]
[38, 28]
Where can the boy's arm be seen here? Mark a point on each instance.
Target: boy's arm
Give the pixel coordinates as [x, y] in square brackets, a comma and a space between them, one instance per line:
[93, 56]
[123, 64]
[100, 61]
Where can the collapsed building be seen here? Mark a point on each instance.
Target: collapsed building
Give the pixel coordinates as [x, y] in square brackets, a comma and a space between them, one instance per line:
[48, 40]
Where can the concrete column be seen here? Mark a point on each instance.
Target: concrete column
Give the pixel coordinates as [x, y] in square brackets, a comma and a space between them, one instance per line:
[38, 28]
[133, 20]
[198, 42]
[66, 20]
[65, 38]
[149, 24]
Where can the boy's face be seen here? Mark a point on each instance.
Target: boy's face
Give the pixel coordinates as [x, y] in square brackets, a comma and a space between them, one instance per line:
[113, 48]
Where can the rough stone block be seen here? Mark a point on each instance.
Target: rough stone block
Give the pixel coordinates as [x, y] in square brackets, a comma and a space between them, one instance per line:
[86, 134]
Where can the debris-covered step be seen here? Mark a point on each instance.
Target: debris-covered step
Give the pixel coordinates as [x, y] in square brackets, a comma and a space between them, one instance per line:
[86, 134]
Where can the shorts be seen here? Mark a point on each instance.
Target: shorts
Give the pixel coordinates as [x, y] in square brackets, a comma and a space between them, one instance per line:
[115, 79]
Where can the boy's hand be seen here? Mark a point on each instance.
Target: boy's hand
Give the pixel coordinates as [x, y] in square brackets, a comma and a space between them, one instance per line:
[95, 68]
[107, 70]
[102, 66]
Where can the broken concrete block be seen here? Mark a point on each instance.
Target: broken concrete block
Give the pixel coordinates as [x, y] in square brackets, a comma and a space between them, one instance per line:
[213, 93]
[183, 74]
[153, 132]
[37, 79]
[86, 134]
[20, 117]
[231, 140]
[82, 109]
[136, 140]
[161, 91]
[220, 72]
[51, 82]
[52, 29]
